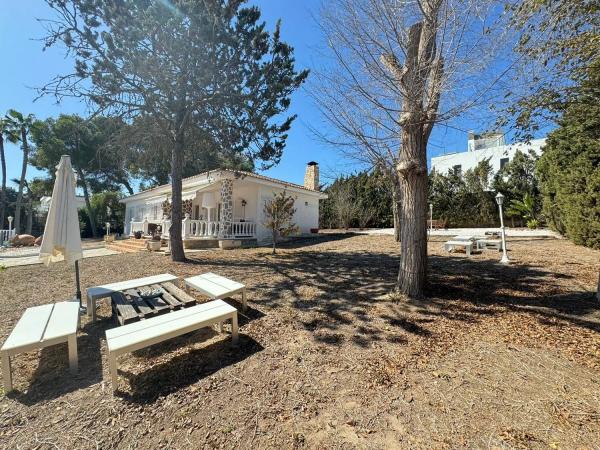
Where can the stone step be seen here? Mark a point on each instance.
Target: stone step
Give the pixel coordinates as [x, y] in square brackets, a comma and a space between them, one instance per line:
[121, 249]
[129, 245]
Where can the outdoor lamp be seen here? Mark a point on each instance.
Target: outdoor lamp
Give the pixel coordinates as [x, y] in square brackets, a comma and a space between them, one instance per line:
[500, 201]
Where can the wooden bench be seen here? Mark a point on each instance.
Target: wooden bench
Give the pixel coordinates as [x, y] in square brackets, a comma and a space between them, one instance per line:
[216, 286]
[135, 336]
[468, 245]
[105, 291]
[39, 327]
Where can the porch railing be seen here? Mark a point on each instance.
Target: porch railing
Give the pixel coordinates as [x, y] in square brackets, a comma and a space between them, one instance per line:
[193, 228]
[6, 235]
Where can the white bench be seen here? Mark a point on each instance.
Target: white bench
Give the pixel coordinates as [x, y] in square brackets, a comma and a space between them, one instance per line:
[468, 245]
[98, 292]
[135, 336]
[483, 244]
[216, 286]
[42, 326]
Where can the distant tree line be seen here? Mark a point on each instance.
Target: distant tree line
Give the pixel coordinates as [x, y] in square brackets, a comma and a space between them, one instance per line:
[357, 201]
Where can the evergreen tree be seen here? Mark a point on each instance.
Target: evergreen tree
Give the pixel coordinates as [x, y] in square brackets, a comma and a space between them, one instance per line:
[183, 65]
[569, 169]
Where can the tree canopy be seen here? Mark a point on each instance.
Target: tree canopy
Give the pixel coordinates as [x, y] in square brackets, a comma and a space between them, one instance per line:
[183, 65]
[569, 169]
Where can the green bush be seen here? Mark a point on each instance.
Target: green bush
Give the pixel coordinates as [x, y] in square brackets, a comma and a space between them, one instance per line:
[569, 168]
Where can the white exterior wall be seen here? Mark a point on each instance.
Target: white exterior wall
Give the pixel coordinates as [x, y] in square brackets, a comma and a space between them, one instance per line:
[255, 194]
[306, 217]
[470, 159]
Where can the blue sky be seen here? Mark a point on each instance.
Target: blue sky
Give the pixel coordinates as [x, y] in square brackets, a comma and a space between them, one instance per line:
[25, 65]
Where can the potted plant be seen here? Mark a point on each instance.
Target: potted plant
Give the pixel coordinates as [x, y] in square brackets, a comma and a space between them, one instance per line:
[137, 235]
[155, 243]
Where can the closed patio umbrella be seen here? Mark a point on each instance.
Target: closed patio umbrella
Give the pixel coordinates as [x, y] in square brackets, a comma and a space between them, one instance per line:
[62, 237]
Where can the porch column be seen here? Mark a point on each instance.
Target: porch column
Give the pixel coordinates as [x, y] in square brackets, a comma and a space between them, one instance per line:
[226, 221]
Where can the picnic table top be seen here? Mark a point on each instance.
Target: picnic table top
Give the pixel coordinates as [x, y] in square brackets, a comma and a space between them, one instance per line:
[135, 304]
[107, 289]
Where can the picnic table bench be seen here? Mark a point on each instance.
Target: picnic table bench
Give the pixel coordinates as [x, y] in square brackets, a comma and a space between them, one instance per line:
[216, 286]
[39, 327]
[468, 245]
[138, 335]
[483, 244]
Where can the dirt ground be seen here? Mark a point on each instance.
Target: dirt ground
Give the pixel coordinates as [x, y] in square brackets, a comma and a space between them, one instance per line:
[496, 357]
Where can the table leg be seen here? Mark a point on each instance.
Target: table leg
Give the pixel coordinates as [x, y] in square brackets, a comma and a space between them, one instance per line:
[6, 372]
[112, 367]
[234, 329]
[73, 361]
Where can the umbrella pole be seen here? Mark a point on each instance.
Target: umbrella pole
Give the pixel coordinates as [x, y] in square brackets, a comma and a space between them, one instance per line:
[78, 294]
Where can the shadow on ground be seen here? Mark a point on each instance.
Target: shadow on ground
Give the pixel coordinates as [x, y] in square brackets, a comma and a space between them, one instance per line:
[339, 289]
[188, 368]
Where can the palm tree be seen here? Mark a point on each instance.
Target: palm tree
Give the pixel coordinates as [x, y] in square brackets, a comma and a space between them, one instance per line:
[21, 125]
[6, 132]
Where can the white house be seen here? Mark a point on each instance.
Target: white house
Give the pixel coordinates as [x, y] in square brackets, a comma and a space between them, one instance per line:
[224, 204]
[483, 146]
[46, 200]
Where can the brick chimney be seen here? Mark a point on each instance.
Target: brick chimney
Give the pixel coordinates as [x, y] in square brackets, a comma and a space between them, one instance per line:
[311, 177]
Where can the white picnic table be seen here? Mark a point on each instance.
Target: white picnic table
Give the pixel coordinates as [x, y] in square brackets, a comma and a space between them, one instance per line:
[216, 286]
[99, 292]
[39, 327]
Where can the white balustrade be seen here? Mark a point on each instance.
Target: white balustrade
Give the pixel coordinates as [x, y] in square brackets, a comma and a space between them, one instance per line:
[193, 228]
[6, 235]
[243, 229]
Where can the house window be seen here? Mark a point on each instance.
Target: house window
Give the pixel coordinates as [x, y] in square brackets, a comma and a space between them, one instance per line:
[503, 162]
[457, 169]
[305, 203]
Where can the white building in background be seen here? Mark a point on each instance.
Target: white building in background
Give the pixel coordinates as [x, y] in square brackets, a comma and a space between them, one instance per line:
[46, 200]
[483, 146]
[224, 204]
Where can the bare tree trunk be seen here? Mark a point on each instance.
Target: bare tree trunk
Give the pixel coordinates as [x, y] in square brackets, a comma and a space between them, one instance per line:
[177, 252]
[274, 241]
[396, 212]
[88, 204]
[29, 217]
[598, 290]
[21, 180]
[3, 192]
[412, 274]
[418, 77]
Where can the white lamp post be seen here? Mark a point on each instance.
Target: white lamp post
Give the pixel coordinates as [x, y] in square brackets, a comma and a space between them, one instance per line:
[10, 219]
[430, 218]
[500, 200]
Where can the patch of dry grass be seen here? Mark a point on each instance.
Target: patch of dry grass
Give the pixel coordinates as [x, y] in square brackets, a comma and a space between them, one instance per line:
[495, 357]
